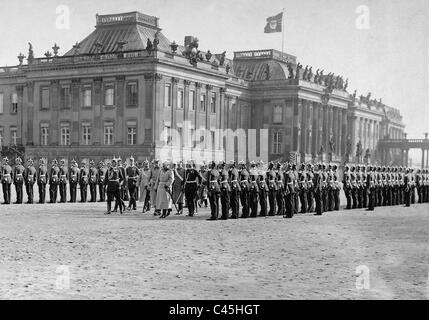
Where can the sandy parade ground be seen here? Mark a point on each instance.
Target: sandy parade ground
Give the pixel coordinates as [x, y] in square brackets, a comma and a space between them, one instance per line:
[73, 251]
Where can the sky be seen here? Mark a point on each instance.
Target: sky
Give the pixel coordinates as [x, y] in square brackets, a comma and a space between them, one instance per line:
[387, 57]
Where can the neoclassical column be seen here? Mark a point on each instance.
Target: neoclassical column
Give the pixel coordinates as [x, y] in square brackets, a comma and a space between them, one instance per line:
[75, 95]
[98, 110]
[302, 119]
[309, 121]
[54, 105]
[174, 102]
[120, 106]
[20, 124]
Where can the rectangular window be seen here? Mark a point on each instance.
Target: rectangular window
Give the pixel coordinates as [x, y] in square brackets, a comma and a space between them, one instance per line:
[180, 102]
[203, 103]
[13, 136]
[86, 134]
[65, 97]
[108, 133]
[1, 102]
[87, 97]
[213, 141]
[132, 94]
[213, 103]
[44, 103]
[278, 114]
[192, 100]
[168, 95]
[65, 134]
[277, 142]
[44, 135]
[14, 106]
[132, 135]
[109, 96]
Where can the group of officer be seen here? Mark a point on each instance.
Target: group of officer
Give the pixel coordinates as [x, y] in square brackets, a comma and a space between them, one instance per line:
[273, 189]
[373, 186]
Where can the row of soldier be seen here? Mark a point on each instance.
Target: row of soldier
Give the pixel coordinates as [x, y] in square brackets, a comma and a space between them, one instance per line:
[279, 189]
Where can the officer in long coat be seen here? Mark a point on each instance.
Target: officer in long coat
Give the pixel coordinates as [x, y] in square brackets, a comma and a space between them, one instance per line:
[132, 174]
[370, 187]
[144, 186]
[225, 190]
[93, 176]
[63, 175]
[164, 201]
[102, 169]
[290, 191]
[407, 187]
[178, 186]
[42, 179]
[30, 180]
[234, 178]
[310, 188]
[113, 181]
[245, 188]
[53, 181]
[73, 180]
[337, 188]
[202, 197]
[6, 180]
[302, 179]
[354, 187]
[272, 189]
[193, 180]
[317, 183]
[347, 186]
[153, 177]
[214, 191]
[280, 190]
[18, 180]
[254, 190]
[263, 192]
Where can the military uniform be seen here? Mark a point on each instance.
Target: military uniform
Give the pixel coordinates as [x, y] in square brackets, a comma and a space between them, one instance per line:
[6, 180]
[83, 182]
[253, 192]
[30, 180]
[63, 174]
[272, 187]
[280, 191]
[310, 188]
[42, 179]
[336, 191]
[235, 191]
[93, 181]
[73, 181]
[371, 187]
[302, 178]
[347, 187]
[225, 190]
[354, 187]
[192, 181]
[53, 182]
[18, 180]
[263, 191]
[318, 190]
[132, 174]
[214, 192]
[245, 190]
[290, 191]
[100, 180]
[113, 181]
[178, 187]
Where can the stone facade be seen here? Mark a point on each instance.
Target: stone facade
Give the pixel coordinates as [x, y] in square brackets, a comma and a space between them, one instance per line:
[137, 93]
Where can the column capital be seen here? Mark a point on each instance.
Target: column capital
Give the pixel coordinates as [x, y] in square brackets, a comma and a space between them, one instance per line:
[186, 83]
[174, 80]
[209, 87]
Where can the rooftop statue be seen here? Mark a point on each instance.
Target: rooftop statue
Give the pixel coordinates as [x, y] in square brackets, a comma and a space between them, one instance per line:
[222, 58]
[30, 52]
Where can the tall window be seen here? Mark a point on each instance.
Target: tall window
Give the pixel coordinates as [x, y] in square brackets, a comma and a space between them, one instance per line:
[65, 134]
[277, 142]
[109, 96]
[65, 97]
[14, 103]
[132, 135]
[168, 95]
[213, 142]
[192, 100]
[180, 99]
[132, 94]
[44, 103]
[44, 135]
[87, 96]
[1, 102]
[13, 136]
[168, 138]
[213, 103]
[86, 134]
[278, 114]
[108, 133]
[203, 102]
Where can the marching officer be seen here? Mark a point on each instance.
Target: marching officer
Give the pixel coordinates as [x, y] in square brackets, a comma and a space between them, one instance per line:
[153, 176]
[132, 174]
[234, 177]
[53, 181]
[245, 189]
[113, 181]
[178, 186]
[354, 187]
[74, 180]
[144, 185]
[364, 187]
[101, 174]
[272, 189]
[336, 188]
[30, 180]
[83, 181]
[42, 179]
[124, 192]
[63, 174]
[324, 176]
[6, 180]
[214, 191]
[202, 197]
[18, 180]
[254, 190]
[93, 181]
[225, 190]
[290, 190]
[192, 181]
[407, 187]
[359, 187]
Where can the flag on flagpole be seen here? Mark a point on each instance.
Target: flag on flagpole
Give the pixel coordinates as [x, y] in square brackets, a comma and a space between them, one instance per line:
[274, 24]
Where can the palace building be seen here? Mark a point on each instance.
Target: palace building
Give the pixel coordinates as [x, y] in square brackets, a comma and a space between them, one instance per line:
[128, 90]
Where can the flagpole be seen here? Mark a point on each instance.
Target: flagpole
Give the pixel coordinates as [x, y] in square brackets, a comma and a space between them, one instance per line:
[283, 31]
